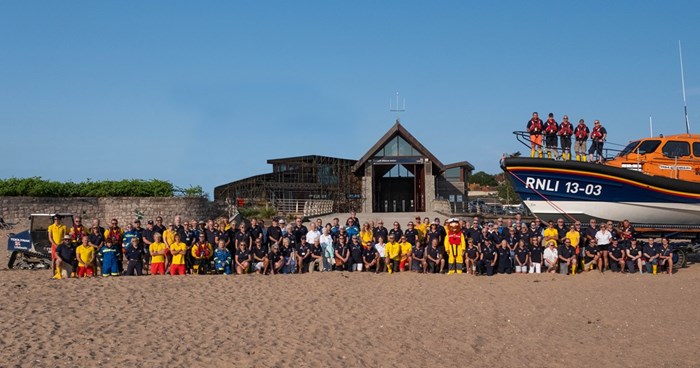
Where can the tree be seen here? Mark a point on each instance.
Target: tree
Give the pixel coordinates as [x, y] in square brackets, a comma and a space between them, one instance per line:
[506, 193]
[483, 179]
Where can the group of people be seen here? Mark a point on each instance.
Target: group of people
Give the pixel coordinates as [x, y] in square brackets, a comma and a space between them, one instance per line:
[563, 132]
[452, 246]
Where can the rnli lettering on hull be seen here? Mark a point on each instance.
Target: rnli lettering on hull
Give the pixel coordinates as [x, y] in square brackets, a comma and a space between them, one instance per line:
[542, 184]
[569, 187]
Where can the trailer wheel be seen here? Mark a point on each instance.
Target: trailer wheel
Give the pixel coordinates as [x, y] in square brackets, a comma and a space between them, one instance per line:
[680, 258]
[13, 257]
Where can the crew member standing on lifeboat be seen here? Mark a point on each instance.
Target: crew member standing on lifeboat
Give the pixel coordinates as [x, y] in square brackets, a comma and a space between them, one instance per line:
[534, 127]
[565, 132]
[581, 133]
[550, 130]
[598, 135]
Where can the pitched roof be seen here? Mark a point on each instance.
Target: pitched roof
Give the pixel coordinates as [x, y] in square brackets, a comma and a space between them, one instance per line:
[399, 130]
[460, 164]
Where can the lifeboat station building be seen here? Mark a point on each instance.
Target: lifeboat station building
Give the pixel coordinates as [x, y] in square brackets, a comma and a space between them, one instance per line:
[397, 174]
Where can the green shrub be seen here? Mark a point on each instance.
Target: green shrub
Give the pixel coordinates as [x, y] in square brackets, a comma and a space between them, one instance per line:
[37, 187]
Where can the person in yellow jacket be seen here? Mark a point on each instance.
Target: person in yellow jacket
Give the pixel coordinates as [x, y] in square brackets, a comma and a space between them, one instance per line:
[393, 254]
[56, 232]
[406, 255]
[86, 257]
[455, 247]
[421, 228]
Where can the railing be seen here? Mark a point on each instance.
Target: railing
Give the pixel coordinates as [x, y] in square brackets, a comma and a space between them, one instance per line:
[306, 207]
[608, 153]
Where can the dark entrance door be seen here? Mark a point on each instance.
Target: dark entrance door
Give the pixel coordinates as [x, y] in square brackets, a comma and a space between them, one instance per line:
[398, 188]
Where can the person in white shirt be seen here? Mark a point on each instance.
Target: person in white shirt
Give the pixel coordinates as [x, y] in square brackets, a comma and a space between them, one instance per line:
[313, 234]
[603, 237]
[328, 250]
[551, 255]
[381, 254]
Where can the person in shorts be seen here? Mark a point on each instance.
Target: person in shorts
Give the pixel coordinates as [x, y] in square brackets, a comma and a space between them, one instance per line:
[65, 258]
[157, 251]
[567, 257]
[275, 258]
[666, 256]
[536, 255]
[471, 256]
[178, 249]
[551, 256]
[418, 258]
[522, 258]
[242, 258]
[260, 260]
[85, 254]
[593, 257]
[356, 254]
[370, 259]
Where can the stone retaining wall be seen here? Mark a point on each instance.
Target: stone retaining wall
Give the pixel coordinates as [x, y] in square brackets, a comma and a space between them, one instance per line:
[124, 209]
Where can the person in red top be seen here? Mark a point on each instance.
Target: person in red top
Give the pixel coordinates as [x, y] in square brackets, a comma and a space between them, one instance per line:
[565, 133]
[550, 130]
[534, 127]
[581, 133]
[78, 230]
[598, 136]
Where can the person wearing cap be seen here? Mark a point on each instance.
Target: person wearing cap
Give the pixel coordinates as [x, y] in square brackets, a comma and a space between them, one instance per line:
[634, 257]
[551, 256]
[65, 258]
[109, 259]
[617, 256]
[56, 232]
[134, 258]
[455, 246]
[85, 254]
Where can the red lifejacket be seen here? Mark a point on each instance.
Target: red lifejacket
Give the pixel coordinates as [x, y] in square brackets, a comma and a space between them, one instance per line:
[535, 126]
[595, 133]
[551, 127]
[581, 132]
[455, 238]
[202, 250]
[78, 232]
[115, 235]
[565, 129]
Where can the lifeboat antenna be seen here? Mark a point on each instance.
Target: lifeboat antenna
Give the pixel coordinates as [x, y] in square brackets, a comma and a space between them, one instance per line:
[685, 105]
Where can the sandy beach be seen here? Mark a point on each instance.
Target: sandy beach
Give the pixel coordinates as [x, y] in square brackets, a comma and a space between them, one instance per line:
[351, 319]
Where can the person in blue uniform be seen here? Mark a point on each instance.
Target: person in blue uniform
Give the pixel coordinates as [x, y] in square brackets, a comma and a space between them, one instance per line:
[109, 259]
[434, 259]
[593, 257]
[536, 250]
[504, 262]
[471, 256]
[567, 257]
[222, 258]
[522, 258]
[303, 256]
[134, 257]
[617, 256]
[370, 259]
[650, 256]
[489, 256]
[276, 259]
[288, 255]
[666, 256]
[634, 257]
[418, 258]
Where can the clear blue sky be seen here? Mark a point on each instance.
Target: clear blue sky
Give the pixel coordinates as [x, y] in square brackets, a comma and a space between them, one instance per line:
[204, 92]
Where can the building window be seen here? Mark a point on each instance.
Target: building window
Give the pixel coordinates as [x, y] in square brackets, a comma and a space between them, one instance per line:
[397, 146]
[453, 173]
